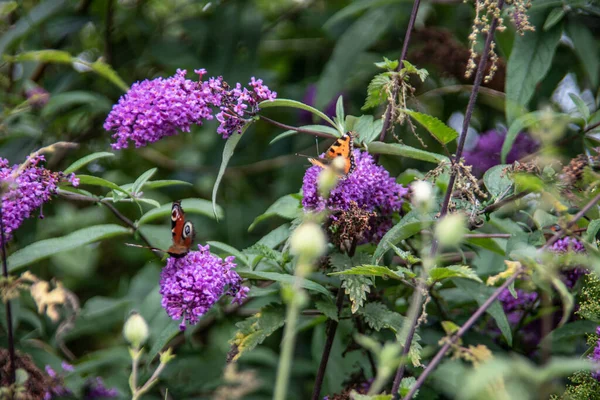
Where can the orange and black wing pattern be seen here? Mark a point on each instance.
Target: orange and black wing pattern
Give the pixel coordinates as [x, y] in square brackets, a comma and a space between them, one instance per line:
[182, 232]
[342, 147]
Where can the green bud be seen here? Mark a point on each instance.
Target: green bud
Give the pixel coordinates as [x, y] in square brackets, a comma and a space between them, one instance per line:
[166, 356]
[308, 241]
[451, 230]
[327, 180]
[136, 330]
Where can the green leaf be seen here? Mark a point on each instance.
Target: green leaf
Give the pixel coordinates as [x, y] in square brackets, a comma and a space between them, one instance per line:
[554, 17]
[82, 162]
[497, 181]
[366, 128]
[141, 180]
[5, 9]
[295, 104]
[438, 274]
[568, 332]
[406, 385]
[95, 181]
[328, 308]
[59, 103]
[480, 293]
[265, 251]
[586, 48]
[191, 206]
[339, 114]
[354, 8]
[592, 231]
[45, 248]
[566, 297]
[106, 71]
[228, 151]
[377, 90]
[439, 130]
[581, 106]
[377, 270]
[378, 317]
[288, 207]
[486, 243]
[165, 336]
[255, 329]
[360, 35]
[284, 278]
[164, 183]
[517, 126]
[317, 128]
[355, 286]
[403, 150]
[408, 226]
[239, 256]
[529, 62]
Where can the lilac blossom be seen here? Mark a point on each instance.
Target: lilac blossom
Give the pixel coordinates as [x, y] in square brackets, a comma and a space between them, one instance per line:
[94, 389]
[370, 186]
[486, 152]
[28, 187]
[237, 104]
[154, 109]
[570, 276]
[191, 285]
[595, 357]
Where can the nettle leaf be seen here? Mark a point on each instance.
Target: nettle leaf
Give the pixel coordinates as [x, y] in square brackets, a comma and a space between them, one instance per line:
[328, 308]
[355, 286]
[377, 91]
[377, 270]
[378, 317]
[406, 256]
[255, 329]
[387, 64]
[288, 207]
[406, 385]
[409, 68]
[357, 396]
[497, 182]
[453, 271]
[264, 251]
[439, 130]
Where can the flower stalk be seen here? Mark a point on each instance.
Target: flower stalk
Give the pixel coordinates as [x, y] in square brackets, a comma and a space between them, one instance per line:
[9, 327]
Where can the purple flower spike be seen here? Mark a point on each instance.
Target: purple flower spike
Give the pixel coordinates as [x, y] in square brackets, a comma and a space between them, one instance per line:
[95, 389]
[370, 187]
[28, 188]
[595, 357]
[564, 245]
[515, 308]
[153, 109]
[191, 285]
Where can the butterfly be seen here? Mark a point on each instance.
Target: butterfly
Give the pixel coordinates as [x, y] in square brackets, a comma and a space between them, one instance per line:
[182, 232]
[342, 147]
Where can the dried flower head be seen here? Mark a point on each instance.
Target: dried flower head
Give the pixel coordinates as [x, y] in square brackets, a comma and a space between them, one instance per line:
[36, 383]
[28, 187]
[191, 285]
[369, 188]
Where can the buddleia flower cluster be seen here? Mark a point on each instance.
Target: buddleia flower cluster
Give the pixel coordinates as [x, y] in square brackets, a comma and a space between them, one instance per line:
[569, 276]
[154, 109]
[191, 285]
[27, 188]
[369, 189]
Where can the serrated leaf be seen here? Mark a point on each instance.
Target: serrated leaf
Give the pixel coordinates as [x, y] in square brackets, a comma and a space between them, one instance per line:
[298, 105]
[405, 255]
[190, 206]
[439, 130]
[497, 182]
[406, 384]
[377, 270]
[285, 278]
[422, 73]
[255, 329]
[387, 64]
[328, 308]
[228, 151]
[265, 251]
[403, 150]
[378, 317]
[45, 248]
[357, 396]
[287, 207]
[355, 286]
[377, 90]
[480, 293]
[82, 162]
[453, 271]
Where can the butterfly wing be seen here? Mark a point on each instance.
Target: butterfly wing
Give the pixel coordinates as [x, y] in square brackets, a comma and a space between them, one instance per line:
[182, 232]
[342, 147]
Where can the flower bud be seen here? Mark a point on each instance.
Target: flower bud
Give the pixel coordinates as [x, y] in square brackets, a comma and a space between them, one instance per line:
[451, 229]
[328, 177]
[422, 195]
[136, 330]
[308, 241]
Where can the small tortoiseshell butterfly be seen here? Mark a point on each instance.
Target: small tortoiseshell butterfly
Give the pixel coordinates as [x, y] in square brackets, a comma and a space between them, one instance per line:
[342, 147]
[182, 232]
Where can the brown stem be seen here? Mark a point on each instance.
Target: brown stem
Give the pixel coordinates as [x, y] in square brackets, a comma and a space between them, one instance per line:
[294, 128]
[9, 327]
[466, 326]
[493, 207]
[592, 126]
[389, 112]
[417, 297]
[331, 329]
